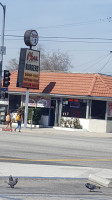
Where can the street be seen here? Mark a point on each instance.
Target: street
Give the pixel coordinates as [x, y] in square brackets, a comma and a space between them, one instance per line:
[53, 164]
[52, 147]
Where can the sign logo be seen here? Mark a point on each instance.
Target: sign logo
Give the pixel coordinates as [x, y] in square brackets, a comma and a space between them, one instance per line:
[31, 38]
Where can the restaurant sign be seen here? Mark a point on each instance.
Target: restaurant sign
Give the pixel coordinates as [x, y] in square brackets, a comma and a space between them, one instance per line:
[29, 69]
[40, 102]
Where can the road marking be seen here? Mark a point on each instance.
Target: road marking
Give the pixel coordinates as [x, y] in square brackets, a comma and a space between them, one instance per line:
[56, 160]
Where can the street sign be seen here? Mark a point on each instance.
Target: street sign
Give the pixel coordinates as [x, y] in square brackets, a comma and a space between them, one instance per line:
[4, 89]
[3, 50]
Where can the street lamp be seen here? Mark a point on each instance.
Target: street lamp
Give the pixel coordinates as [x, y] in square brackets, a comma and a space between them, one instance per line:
[2, 42]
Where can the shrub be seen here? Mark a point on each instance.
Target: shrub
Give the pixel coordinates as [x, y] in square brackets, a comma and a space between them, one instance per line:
[76, 124]
[36, 116]
[70, 123]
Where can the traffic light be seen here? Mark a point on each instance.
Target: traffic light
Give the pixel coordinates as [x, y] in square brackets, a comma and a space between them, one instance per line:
[6, 80]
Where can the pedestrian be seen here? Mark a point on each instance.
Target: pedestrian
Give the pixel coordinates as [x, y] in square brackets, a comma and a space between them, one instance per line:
[19, 119]
[8, 120]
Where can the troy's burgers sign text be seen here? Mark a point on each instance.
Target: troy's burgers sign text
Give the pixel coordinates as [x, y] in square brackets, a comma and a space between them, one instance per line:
[29, 68]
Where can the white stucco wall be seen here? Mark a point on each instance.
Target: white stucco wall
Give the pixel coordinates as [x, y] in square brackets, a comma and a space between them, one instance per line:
[109, 126]
[96, 125]
[84, 123]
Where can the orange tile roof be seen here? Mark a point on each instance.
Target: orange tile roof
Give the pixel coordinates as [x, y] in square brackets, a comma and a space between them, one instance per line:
[69, 84]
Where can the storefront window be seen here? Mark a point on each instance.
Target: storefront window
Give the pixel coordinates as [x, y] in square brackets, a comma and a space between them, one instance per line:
[98, 109]
[74, 108]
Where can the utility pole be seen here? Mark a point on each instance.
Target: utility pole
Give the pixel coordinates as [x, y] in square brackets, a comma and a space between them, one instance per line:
[2, 48]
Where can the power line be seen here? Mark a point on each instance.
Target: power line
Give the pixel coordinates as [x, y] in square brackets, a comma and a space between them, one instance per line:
[97, 61]
[20, 36]
[62, 41]
[74, 38]
[105, 64]
[103, 20]
[69, 39]
[62, 37]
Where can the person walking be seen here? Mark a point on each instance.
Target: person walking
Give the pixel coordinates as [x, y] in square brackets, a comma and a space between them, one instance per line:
[19, 119]
[8, 120]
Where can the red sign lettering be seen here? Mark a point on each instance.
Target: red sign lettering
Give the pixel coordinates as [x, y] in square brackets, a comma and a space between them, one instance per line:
[30, 57]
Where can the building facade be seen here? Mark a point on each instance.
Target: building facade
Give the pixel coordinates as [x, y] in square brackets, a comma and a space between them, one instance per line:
[87, 97]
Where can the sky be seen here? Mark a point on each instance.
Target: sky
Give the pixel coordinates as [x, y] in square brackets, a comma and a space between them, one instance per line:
[80, 28]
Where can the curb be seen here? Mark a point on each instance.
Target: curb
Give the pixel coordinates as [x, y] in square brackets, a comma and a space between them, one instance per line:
[101, 181]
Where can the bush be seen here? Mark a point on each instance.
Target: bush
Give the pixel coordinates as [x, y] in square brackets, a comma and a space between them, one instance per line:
[36, 115]
[76, 124]
[70, 123]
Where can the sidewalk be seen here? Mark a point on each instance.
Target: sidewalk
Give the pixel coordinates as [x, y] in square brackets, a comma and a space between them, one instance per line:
[57, 130]
[51, 171]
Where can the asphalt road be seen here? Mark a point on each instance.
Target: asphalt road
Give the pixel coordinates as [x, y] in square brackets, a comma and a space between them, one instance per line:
[56, 148]
[51, 148]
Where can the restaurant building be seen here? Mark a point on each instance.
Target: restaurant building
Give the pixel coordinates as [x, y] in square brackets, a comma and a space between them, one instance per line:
[87, 97]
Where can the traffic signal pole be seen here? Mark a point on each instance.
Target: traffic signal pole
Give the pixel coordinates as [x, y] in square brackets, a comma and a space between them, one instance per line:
[6, 78]
[2, 42]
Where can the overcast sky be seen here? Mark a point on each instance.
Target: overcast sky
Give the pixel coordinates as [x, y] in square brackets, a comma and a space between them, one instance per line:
[80, 28]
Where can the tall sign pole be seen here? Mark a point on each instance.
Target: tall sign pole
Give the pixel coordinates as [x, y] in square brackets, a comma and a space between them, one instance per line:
[2, 48]
[30, 39]
[26, 108]
[29, 67]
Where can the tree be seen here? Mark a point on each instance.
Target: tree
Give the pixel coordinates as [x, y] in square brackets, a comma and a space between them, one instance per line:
[12, 65]
[55, 61]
